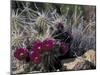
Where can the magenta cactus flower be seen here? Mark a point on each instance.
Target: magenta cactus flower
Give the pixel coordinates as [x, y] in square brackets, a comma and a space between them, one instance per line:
[21, 53]
[48, 44]
[37, 46]
[64, 48]
[35, 57]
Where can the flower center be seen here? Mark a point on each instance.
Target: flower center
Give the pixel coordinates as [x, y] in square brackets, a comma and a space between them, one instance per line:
[36, 57]
[21, 54]
[47, 45]
[39, 47]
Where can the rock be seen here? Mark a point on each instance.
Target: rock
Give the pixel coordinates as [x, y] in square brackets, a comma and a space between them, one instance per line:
[78, 64]
[20, 67]
[84, 62]
[90, 56]
[21, 70]
[34, 72]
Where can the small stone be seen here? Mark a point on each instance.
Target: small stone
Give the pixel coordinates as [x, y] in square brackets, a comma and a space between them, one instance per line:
[19, 70]
[90, 56]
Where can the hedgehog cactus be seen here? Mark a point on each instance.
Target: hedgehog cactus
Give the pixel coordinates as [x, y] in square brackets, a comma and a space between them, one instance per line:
[42, 24]
[40, 37]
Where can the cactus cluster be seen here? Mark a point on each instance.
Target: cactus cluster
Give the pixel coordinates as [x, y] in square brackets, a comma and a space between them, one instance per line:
[43, 33]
